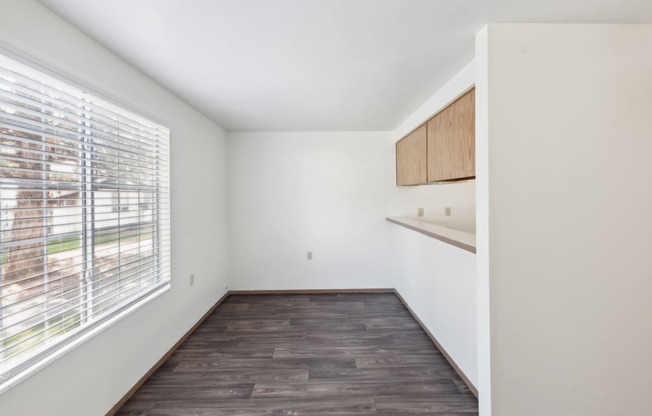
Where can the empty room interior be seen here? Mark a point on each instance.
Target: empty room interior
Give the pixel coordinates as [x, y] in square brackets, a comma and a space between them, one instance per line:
[325, 207]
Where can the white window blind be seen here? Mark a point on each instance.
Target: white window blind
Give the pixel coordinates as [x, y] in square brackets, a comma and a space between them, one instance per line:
[84, 213]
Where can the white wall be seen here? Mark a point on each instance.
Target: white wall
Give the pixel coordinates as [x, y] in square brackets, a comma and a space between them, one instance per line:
[438, 280]
[326, 192]
[92, 378]
[570, 272]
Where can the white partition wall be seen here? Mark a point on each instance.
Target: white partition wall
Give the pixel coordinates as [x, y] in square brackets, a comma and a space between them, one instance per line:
[565, 150]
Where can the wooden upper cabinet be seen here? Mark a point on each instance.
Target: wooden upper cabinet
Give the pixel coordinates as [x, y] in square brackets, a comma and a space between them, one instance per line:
[442, 149]
[411, 158]
[451, 141]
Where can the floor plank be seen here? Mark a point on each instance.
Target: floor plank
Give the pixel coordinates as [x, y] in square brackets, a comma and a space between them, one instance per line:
[330, 354]
[314, 390]
[348, 406]
[440, 404]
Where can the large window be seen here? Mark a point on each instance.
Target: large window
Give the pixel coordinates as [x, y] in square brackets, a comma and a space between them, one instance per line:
[84, 213]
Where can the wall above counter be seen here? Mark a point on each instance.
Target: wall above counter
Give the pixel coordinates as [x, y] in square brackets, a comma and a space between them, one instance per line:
[442, 149]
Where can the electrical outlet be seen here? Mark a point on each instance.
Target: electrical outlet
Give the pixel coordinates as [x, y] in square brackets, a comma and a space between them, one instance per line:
[420, 212]
[309, 255]
[226, 288]
[447, 211]
[192, 279]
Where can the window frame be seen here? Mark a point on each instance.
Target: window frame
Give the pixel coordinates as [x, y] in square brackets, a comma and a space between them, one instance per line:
[72, 340]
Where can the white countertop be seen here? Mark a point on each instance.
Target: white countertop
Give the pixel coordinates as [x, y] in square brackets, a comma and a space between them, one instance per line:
[457, 238]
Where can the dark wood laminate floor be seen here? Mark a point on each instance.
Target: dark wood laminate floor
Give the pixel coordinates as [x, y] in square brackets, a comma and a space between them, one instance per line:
[346, 354]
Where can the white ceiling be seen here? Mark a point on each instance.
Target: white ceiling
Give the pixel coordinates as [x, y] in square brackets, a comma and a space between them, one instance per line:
[312, 64]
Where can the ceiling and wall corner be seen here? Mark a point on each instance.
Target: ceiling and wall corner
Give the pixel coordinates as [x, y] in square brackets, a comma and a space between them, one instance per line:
[328, 65]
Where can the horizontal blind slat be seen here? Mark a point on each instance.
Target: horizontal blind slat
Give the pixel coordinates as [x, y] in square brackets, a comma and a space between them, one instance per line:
[68, 184]
[85, 114]
[24, 340]
[17, 73]
[152, 171]
[165, 233]
[17, 123]
[47, 238]
[60, 280]
[79, 100]
[98, 255]
[102, 140]
[95, 291]
[4, 138]
[85, 120]
[163, 243]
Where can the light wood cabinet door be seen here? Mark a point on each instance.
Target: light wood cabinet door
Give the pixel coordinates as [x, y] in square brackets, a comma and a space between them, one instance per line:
[451, 141]
[411, 158]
